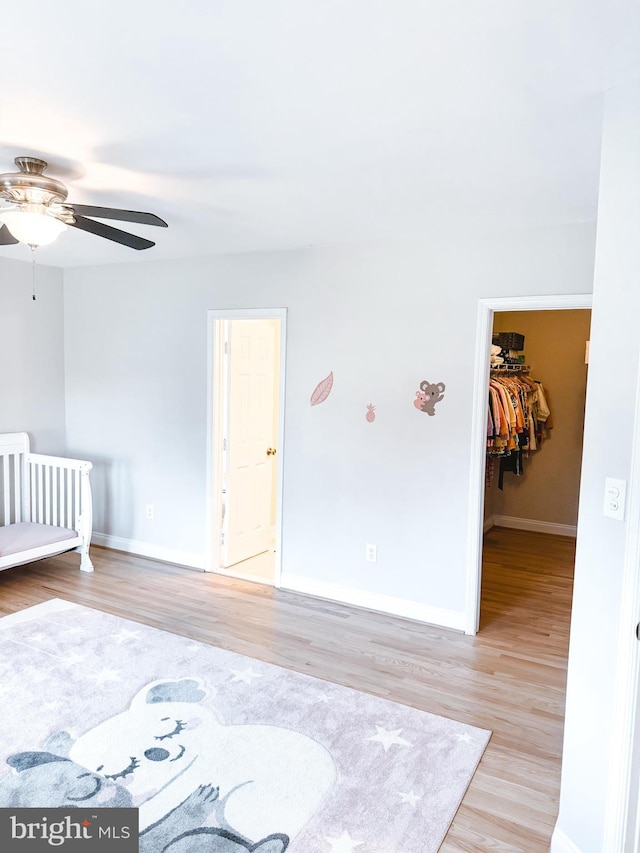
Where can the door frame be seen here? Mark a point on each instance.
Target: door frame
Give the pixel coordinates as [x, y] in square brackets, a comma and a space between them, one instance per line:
[622, 818]
[215, 415]
[475, 532]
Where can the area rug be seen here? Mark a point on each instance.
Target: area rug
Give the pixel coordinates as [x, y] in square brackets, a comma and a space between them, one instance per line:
[220, 753]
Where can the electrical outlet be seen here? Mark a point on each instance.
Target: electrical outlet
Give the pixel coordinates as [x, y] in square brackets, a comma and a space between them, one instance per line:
[149, 512]
[371, 553]
[615, 493]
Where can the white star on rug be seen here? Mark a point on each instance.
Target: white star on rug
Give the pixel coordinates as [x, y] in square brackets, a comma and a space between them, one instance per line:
[73, 659]
[125, 635]
[389, 738]
[344, 844]
[246, 675]
[465, 738]
[37, 638]
[320, 697]
[106, 675]
[410, 798]
[74, 630]
[51, 706]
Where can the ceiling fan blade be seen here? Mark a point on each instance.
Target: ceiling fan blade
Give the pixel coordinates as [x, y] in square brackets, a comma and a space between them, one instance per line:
[115, 213]
[115, 234]
[6, 237]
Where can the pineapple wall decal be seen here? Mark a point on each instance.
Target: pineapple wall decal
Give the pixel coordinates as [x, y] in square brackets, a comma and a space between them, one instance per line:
[371, 414]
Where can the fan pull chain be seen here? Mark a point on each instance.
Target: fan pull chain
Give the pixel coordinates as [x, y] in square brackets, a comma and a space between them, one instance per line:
[33, 271]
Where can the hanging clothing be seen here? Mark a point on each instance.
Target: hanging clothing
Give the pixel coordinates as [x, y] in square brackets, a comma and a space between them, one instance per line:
[518, 420]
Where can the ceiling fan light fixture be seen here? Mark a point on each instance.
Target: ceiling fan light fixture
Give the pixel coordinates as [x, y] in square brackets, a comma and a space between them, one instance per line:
[39, 211]
[32, 224]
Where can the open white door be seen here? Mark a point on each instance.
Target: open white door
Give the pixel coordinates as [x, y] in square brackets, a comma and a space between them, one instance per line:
[250, 461]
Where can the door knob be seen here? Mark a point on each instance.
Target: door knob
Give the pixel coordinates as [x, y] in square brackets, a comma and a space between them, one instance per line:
[271, 451]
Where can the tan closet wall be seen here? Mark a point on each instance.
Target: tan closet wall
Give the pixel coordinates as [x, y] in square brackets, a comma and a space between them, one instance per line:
[555, 348]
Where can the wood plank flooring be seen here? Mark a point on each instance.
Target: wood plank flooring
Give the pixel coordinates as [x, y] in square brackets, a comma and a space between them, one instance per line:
[510, 678]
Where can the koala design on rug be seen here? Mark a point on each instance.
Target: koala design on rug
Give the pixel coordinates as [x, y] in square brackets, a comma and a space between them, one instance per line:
[200, 786]
[177, 759]
[44, 779]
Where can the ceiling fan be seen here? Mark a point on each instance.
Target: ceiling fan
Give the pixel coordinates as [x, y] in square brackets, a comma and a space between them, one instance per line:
[39, 210]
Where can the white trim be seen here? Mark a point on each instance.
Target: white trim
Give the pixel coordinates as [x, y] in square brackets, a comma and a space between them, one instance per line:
[551, 302]
[488, 524]
[214, 478]
[486, 309]
[21, 558]
[535, 525]
[475, 520]
[214, 462]
[244, 576]
[147, 549]
[622, 815]
[374, 601]
[561, 843]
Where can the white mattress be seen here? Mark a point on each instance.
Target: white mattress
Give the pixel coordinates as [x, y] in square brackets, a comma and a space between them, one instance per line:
[25, 535]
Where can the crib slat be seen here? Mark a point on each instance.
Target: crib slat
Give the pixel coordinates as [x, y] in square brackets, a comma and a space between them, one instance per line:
[55, 474]
[40, 495]
[60, 497]
[69, 497]
[63, 498]
[17, 488]
[76, 496]
[32, 486]
[47, 495]
[6, 482]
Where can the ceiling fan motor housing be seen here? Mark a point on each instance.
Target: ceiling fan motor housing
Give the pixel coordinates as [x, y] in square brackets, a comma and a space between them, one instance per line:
[30, 185]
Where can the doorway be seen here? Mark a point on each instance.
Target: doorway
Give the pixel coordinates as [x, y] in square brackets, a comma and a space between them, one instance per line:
[487, 308]
[245, 443]
[537, 488]
[532, 488]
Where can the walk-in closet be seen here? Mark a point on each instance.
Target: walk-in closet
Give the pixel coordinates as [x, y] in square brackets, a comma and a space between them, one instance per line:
[535, 421]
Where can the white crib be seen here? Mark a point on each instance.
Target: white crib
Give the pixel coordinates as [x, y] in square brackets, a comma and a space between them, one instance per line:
[45, 504]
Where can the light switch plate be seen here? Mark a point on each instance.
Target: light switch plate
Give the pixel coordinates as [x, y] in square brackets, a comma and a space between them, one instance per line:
[615, 493]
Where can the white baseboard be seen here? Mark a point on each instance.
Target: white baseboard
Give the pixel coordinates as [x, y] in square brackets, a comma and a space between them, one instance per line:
[375, 601]
[488, 523]
[333, 592]
[534, 525]
[147, 549]
[561, 843]
[243, 576]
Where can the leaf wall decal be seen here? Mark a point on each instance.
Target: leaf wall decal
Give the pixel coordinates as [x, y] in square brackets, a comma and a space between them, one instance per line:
[322, 390]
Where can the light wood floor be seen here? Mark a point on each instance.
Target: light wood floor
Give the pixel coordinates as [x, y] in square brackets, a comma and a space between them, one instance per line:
[510, 678]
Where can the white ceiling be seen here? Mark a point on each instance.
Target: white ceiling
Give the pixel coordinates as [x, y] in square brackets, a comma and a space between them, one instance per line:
[273, 124]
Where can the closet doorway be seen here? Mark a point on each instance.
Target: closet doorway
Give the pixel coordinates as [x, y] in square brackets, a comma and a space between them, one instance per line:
[245, 430]
[531, 495]
[544, 498]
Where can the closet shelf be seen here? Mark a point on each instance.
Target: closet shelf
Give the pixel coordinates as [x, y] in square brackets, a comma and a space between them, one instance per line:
[510, 368]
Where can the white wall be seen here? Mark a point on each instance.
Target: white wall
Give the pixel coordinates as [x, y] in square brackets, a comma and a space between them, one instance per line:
[609, 435]
[382, 319]
[31, 354]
